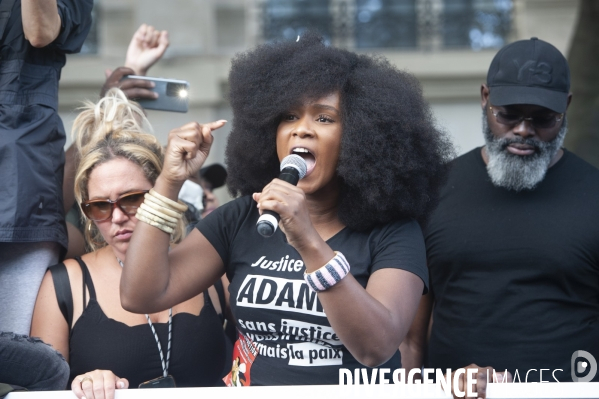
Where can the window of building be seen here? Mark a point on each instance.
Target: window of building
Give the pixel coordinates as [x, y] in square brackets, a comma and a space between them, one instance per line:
[477, 24]
[385, 24]
[399, 24]
[286, 19]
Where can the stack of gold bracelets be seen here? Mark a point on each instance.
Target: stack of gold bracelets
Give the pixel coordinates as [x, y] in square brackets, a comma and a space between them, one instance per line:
[160, 211]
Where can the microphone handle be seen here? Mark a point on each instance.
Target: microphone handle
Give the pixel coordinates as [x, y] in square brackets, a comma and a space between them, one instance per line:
[269, 221]
[290, 175]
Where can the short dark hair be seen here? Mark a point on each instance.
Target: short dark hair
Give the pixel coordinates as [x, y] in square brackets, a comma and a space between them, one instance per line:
[393, 159]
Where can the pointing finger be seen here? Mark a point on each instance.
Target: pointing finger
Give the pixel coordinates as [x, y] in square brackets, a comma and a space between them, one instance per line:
[207, 130]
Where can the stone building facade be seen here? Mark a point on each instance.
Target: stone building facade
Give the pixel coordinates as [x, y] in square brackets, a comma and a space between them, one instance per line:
[447, 44]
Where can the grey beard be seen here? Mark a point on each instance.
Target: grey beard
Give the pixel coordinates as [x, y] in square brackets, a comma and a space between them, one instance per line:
[518, 172]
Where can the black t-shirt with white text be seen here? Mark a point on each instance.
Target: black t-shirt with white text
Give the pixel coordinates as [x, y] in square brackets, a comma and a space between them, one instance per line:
[515, 275]
[291, 338]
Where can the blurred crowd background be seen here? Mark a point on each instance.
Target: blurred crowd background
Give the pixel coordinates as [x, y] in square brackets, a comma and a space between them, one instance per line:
[447, 44]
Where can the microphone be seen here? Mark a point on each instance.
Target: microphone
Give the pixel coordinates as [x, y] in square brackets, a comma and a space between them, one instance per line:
[293, 168]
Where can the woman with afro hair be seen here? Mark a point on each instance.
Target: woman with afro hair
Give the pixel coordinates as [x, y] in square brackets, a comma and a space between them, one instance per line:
[338, 284]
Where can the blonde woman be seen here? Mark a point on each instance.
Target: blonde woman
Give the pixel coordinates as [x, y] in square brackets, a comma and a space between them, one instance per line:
[78, 310]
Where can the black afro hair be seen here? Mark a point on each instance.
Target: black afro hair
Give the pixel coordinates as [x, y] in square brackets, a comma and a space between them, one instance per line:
[393, 159]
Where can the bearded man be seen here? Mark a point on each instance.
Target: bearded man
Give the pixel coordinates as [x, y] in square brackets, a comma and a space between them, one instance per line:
[513, 248]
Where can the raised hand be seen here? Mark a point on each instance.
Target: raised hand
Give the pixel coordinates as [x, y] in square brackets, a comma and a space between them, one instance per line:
[187, 150]
[146, 47]
[98, 384]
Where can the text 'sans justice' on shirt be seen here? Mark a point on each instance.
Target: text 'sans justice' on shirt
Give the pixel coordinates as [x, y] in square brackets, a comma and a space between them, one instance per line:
[285, 335]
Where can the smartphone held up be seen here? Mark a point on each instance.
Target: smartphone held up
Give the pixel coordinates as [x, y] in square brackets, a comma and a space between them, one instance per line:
[173, 95]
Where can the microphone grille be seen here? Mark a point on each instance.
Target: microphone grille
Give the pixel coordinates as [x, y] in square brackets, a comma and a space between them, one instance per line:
[297, 162]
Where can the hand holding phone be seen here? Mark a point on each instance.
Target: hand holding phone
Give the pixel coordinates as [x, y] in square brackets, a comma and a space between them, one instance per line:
[133, 88]
[172, 94]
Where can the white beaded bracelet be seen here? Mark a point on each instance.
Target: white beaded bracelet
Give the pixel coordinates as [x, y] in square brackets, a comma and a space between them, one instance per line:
[328, 275]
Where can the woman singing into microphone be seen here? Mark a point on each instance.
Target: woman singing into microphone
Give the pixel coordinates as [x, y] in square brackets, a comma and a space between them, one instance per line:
[339, 282]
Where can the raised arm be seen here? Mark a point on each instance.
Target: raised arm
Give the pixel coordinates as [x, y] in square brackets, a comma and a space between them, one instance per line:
[147, 46]
[41, 22]
[153, 278]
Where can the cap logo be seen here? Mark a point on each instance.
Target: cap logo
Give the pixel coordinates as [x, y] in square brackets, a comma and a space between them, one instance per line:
[531, 71]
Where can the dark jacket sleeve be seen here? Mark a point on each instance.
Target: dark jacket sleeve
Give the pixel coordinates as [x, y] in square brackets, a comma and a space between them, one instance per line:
[76, 20]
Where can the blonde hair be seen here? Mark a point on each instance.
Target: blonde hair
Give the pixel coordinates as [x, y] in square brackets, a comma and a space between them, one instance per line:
[114, 128]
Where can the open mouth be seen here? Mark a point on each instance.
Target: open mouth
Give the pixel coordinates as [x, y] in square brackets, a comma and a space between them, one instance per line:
[307, 155]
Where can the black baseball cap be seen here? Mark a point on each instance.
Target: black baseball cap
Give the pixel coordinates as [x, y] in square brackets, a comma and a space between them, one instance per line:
[216, 174]
[529, 72]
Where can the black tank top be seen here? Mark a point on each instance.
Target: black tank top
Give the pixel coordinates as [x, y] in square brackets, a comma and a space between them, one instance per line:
[197, 345]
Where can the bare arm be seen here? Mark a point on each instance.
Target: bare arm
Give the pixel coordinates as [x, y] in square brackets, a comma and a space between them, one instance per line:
[153, 278]
[41, 22]
[413, 347]
[372, 323]
[48, 323]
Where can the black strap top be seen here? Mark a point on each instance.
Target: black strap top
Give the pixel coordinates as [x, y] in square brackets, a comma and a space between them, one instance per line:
[197, 345]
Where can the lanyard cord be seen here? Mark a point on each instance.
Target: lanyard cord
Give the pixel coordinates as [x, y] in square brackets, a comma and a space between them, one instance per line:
[168, 352]
[170, 326]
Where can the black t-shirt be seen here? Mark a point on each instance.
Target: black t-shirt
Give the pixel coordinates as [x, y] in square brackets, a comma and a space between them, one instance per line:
[515, 275]
[293, 342]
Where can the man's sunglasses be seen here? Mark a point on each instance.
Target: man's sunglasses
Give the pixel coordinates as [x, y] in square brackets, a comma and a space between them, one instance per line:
[101, 209]
[546, 121]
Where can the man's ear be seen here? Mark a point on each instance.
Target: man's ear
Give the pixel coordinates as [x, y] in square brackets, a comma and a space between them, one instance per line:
[484, 95]
[569, 100]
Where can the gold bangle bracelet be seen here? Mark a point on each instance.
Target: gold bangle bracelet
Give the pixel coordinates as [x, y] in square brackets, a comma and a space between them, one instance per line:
[159, 205]
[159, 226]
[158, 212]
[156, 218]
[172, 204]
